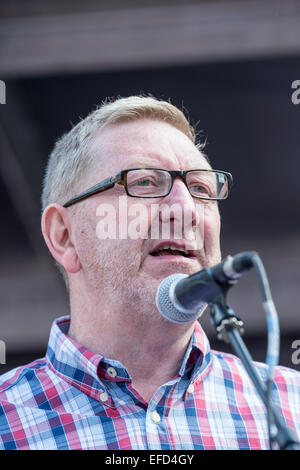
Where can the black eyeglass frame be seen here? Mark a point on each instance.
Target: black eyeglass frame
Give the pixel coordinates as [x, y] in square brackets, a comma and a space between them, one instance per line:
[121, 178]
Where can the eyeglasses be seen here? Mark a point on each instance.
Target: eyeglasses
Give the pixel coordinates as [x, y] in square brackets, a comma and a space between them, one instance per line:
[157, 182]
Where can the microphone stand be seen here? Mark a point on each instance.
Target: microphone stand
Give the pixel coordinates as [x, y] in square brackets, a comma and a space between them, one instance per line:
[229, 329]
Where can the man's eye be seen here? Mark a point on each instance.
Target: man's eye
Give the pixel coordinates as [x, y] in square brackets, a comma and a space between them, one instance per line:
[200, 189]
[144, 182]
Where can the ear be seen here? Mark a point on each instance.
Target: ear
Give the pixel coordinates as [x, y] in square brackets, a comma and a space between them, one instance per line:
[56, 230]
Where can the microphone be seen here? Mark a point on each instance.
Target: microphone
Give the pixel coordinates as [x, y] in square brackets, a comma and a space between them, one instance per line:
[181, 298]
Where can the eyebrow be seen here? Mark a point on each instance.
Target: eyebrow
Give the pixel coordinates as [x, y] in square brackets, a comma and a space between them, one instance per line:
[146, 162]
[153, 163]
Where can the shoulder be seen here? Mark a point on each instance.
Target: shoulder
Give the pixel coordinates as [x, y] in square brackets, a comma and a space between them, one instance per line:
[231, 363]
[16, 383]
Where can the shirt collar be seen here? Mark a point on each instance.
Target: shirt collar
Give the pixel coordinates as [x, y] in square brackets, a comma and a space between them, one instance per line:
[72, 361]
[197, 357]
[86, 370]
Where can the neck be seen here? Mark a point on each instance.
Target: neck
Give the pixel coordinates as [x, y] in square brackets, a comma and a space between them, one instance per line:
[149, 346]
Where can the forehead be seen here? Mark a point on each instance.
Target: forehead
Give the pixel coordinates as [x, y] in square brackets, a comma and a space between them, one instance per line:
[145, 142]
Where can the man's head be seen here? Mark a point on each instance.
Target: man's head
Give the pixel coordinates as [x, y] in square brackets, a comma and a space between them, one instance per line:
[134, 132]
[72, 155]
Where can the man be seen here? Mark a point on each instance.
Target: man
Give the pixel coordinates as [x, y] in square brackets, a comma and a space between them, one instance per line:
[117, 374]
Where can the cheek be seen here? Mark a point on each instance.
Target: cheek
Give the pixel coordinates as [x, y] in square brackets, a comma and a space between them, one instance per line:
[84, 235]
[133, 220]
[86, 244]
[211, 228]
[208, 218]
[212, 221]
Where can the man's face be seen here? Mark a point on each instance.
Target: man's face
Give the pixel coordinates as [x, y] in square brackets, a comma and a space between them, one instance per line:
[132, 267]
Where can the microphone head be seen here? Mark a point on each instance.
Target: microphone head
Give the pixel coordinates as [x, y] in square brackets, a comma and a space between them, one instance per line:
[165, 305]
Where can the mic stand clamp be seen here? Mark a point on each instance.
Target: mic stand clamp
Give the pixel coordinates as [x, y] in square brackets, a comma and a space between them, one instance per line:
[228, 323]
[225, 318]
[229, 328]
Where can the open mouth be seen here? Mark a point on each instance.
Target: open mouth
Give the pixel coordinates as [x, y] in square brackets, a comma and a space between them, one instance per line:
[172, 251]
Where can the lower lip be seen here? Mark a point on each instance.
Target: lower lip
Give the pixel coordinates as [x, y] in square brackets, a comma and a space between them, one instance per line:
[174, 258]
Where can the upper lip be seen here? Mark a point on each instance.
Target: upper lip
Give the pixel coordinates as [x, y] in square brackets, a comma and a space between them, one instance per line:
[179, 245]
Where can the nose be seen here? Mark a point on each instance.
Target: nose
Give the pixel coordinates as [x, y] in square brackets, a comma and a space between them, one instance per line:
[179, 206]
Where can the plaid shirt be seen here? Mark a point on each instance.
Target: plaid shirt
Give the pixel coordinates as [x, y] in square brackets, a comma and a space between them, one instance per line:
[76, 399]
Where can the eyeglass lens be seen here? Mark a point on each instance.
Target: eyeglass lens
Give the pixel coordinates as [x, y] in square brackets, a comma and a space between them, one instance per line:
[155, 183]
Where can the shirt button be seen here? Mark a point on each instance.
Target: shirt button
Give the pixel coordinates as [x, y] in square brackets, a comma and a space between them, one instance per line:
[103, 396]
[191, 388]
[111, 372]
[155, 417]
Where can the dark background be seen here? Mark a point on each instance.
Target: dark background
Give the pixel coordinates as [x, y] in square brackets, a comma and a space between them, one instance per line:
[244, 109]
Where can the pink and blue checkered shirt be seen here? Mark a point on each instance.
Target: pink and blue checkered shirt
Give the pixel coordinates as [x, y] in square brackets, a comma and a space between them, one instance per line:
[76, 399]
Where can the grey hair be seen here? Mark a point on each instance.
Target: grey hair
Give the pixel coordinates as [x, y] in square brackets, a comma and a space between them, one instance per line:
[71, 157]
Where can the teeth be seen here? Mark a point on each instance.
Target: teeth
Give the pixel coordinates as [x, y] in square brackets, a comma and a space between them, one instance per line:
[169, 247]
